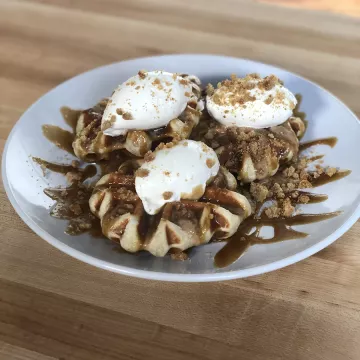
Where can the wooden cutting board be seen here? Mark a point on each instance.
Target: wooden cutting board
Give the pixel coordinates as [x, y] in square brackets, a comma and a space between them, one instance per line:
[55, 307]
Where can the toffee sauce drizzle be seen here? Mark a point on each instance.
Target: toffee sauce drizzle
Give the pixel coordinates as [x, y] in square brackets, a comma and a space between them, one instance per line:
[70, 116]
[63, 139]
[237, 244]
[247, 235]
[330, 141]
[88, 172]
[72, 204]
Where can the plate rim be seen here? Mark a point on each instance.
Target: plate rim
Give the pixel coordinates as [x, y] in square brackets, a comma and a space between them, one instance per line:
[164, 276]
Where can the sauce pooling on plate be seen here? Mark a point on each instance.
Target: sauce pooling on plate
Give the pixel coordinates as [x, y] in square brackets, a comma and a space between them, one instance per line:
[241, 241]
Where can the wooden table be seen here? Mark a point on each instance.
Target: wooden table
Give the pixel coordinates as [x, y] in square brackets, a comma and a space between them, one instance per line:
[348, 7]
[55, 307]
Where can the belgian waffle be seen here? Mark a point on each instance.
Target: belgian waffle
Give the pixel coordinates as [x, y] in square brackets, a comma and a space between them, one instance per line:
[255, 154]
[91, 144]
[179, 225]
[298, 126]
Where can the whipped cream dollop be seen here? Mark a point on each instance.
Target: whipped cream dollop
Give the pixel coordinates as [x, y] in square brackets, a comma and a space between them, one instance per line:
[181, 171]
[252, 101]
[147, 100]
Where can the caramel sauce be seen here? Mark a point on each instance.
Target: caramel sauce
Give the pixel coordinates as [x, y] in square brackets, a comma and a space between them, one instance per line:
[233, 250]
[70, 116]
[63, 139]
[325, 179]
[330, 141]
[316, 157]
[88, 172]
[72, 204]
[237, 244]
[314, 198]
[58, 168]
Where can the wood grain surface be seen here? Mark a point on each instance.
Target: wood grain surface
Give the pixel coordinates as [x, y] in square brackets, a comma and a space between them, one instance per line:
[348, 7]
[55, 307]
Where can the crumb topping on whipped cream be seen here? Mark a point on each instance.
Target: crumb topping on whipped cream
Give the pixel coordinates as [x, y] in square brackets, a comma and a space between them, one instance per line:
[251, 101]
[147, 100]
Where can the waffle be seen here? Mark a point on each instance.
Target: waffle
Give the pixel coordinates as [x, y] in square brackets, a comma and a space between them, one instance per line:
[298, 126]
[179, 225]
[91, 144]
[255, 154]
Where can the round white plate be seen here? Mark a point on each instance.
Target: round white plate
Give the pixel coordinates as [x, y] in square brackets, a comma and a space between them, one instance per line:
[24, 181]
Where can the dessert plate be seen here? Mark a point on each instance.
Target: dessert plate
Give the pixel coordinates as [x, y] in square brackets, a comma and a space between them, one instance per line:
[24, 181]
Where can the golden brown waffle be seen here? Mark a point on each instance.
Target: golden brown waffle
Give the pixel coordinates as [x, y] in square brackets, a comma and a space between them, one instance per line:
[179, 225]
[91, 144]
[254, 154]
[298, 125]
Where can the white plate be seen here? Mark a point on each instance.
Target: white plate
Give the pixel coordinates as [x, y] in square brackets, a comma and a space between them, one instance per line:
[24, 181]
